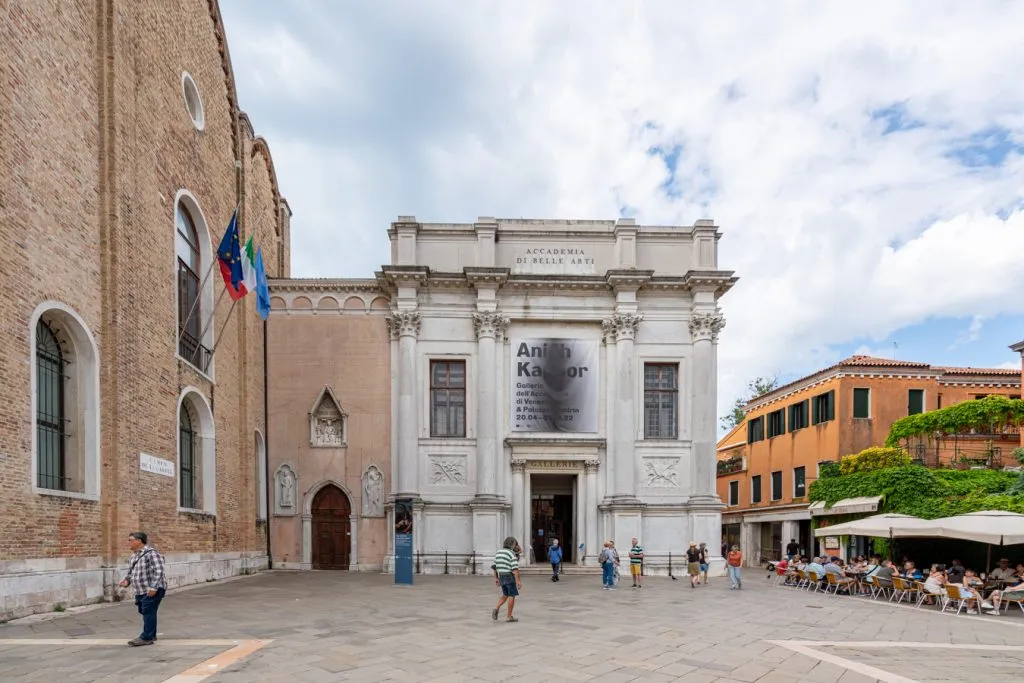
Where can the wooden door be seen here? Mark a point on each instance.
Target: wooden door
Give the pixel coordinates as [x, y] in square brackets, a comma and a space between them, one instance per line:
[332, 532]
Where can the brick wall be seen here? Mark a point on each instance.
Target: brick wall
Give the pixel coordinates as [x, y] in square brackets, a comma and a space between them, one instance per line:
[98, 143]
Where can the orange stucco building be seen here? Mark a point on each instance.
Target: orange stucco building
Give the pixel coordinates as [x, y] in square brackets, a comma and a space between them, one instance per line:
[767, 462]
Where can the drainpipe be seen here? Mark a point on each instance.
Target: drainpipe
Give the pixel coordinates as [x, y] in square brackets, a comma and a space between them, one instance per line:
[266, 449]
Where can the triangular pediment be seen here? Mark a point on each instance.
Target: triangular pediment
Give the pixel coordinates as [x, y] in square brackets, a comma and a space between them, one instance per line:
[327, 404]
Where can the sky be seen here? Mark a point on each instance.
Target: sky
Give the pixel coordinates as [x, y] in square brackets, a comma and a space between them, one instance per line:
[865, 161]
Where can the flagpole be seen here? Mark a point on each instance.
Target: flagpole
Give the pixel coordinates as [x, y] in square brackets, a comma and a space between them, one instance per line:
[195, 304]
[202, 286]
[219, 334]
[212, 314]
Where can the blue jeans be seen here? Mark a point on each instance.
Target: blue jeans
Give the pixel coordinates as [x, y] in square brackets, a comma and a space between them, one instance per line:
[734, 576]
[608, 574]
[147, 607]
[555, 567]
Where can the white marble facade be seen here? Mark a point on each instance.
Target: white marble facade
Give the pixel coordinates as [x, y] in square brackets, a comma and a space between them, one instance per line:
[627, 297]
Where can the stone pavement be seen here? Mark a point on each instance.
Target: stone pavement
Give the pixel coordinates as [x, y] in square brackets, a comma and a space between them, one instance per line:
[336, 626]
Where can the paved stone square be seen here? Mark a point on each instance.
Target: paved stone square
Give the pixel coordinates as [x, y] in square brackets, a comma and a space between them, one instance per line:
[336, 626]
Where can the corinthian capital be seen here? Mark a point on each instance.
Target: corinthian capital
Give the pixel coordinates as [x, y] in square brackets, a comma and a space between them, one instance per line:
[404, 324]
[706, 326]
[489, 324]
[621, 326]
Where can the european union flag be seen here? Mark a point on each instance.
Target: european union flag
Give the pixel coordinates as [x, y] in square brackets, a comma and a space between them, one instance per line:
[229, 254]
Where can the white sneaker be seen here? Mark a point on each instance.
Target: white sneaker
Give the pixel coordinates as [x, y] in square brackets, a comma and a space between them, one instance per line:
[993, 612]
[987, 605]
[972, 611]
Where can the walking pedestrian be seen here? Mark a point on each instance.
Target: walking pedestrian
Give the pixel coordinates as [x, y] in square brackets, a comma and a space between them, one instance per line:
[147, 577]
[704, 563]
[636, 563]
[693, 563]
[733, 564]
[555, 558]
[506, 568]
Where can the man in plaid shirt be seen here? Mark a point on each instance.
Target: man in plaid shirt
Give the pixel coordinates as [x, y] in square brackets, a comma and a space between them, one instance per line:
[146, 576]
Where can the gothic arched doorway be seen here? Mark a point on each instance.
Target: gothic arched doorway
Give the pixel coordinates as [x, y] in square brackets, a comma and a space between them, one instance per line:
[332, 532]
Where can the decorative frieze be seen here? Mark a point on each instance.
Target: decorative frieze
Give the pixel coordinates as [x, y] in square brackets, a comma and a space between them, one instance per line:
[404, 324]
[490, 324]
[706, 326]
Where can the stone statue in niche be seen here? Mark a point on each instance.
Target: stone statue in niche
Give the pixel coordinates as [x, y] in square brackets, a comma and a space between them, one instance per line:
[373, 492]
[285, 489]
[328, 423]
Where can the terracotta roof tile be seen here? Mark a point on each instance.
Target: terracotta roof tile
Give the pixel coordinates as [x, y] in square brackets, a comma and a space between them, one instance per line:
[861, 361]
[1007, 372]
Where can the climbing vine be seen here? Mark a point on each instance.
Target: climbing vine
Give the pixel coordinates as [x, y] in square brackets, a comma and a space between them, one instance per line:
[989, 414]
[926, 493]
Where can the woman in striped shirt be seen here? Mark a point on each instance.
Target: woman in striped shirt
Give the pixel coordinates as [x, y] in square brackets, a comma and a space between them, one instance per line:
[506, 567]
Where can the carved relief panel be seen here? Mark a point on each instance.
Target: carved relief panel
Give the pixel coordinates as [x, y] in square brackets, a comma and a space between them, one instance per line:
[328, 422]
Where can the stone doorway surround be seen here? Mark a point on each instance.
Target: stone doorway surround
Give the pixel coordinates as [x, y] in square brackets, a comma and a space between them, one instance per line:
[307, 523]
[581, 457]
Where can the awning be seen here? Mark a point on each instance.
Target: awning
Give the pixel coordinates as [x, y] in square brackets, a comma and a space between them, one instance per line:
[846, 506]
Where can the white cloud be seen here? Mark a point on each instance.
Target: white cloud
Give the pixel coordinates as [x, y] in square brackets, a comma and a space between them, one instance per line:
[450, 110]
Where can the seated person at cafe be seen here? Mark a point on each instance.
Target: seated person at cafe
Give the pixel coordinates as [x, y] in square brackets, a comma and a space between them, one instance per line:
[1014, 590]
[815, 566]
[1004, 572]
[835, 567]
[910, 571]
[936, 581]
[970, 588]
[883, 573]
[955, 573]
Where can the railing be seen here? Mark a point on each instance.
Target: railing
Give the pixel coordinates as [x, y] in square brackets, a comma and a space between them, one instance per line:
[730, 466]
[194, 352]
[462, 559]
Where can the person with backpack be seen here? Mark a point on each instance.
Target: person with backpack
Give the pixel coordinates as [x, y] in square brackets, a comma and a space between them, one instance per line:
[609, 559]
[733, 563]
[555, 558]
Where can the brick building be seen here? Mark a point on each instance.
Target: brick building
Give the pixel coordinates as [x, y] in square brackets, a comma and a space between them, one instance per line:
[766, 462]
[122, 156]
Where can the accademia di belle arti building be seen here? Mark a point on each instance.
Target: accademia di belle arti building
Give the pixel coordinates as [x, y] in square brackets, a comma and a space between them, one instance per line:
[540, 378]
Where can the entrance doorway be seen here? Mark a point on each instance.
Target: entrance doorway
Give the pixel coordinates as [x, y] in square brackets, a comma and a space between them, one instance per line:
[332, 532]
[553, 515]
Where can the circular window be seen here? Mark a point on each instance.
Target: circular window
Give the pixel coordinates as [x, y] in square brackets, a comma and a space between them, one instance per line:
[193, 102]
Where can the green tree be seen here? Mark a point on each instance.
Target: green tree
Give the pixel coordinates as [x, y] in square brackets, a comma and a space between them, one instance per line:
[757, 387]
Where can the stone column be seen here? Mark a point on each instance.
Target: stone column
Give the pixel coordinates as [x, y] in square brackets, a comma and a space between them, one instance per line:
[518, 499]
[487, 325]
[624, 410]
[608, 337]
[406, 324]
[704, 329]
[591, 499]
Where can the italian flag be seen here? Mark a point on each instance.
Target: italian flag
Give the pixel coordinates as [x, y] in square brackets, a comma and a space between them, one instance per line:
[248, 268]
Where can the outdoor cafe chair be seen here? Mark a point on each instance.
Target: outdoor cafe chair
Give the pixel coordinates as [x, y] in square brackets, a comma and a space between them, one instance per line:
[953, 597]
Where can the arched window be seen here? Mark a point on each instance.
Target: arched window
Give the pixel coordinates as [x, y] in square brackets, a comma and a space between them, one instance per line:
[187, 458]
[51, 410]
[65, 403]
[190, 308]
[197, 455]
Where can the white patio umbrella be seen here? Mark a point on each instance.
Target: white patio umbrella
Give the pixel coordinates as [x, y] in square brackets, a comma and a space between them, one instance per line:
[888, 525]
[988, 526]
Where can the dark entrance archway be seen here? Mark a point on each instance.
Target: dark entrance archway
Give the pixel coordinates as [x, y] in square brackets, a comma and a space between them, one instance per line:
[332, 531]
